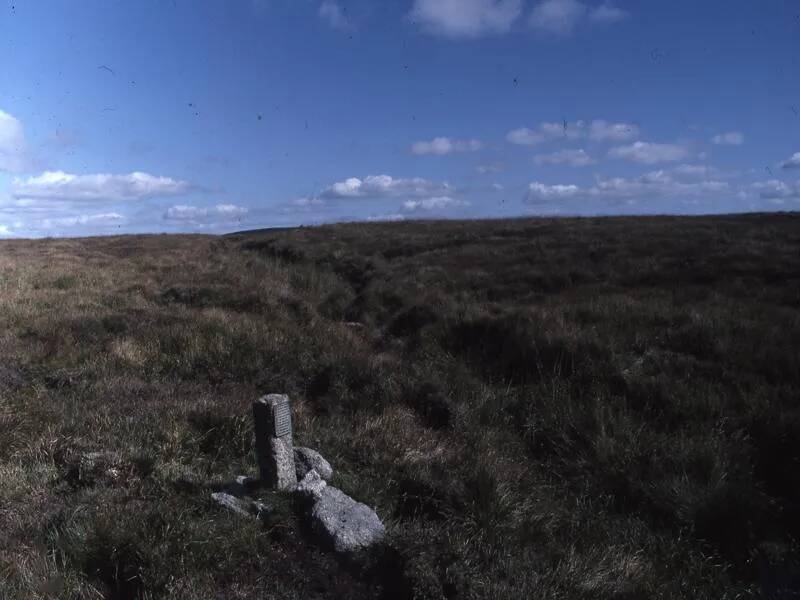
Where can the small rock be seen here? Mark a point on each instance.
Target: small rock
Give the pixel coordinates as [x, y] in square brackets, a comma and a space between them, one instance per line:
[242, 506]
[95, 460]
[306, 459]
[113, 473]
[246, 481]
[95, 466]
[262, 510]
[243, 486]
[310, 486]
[345, 524]
[237, 505]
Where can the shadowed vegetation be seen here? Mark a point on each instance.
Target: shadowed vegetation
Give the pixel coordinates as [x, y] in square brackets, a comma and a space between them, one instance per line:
[576, 408]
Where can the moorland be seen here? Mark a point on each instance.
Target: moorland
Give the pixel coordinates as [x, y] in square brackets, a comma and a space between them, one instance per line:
[536, 408]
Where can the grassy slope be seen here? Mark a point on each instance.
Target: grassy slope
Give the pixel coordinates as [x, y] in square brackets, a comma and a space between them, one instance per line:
[555, 409]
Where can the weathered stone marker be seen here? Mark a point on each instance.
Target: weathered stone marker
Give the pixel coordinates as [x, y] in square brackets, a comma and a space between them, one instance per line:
[273, 427]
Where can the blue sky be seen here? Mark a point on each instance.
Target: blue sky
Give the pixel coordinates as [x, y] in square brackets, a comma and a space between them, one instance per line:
[179, 115]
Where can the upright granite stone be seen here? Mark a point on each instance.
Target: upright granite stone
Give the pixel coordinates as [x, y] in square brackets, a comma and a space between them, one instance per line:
[273, 427]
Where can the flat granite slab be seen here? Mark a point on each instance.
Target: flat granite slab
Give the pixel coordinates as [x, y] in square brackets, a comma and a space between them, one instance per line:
[347, 525]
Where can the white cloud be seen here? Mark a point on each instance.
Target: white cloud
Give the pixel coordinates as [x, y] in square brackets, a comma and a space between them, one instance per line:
[349, 188]
[307, 201]
[601, 131]
[334, 15]
[466, 18]
[435, 203]
[732, 138]
[558, 17]
[230, 210]
[60, 186]
[13, 147]
[5, 230]
[99, 220]
[472, 18]
[59, 220]
[775, 189]
[564, 130]
[194, 214]
[547, 131]
[572, 158]
[598, 130]
[660, 176]
[540, 192]
[792, 163]
[562, 17]
[655, 184]
[525, 137]
[490, 168]
[385, 186]
[417, 192]
[441, 145]
[694, 172]
[183, 212]
[390, 218]
[703, 171]
[649, 153]
[306, 204]
[607, 13]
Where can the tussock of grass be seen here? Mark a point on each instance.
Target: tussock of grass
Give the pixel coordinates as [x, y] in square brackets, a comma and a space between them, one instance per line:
[594, 408]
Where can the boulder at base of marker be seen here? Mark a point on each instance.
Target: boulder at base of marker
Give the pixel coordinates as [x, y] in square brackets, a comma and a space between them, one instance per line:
[306, 459]
[310, 487]
[345, 524]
